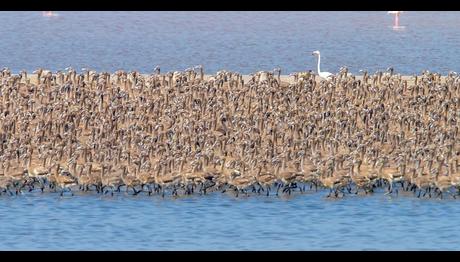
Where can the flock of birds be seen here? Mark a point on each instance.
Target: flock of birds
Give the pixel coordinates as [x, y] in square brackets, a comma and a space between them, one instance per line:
[183, 133]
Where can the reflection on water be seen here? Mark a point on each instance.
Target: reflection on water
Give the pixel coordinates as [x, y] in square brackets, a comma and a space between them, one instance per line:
[219, 222]
[240, 41]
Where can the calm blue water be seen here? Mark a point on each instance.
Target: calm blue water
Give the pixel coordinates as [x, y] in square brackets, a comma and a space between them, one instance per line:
[221, 222]
[239, 41]
[244, 42]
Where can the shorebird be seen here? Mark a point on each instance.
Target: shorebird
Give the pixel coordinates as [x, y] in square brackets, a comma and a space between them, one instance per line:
[324, 75]
[172, 131]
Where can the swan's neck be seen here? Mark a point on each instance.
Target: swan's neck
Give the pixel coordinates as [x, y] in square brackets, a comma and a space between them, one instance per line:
[319, 61]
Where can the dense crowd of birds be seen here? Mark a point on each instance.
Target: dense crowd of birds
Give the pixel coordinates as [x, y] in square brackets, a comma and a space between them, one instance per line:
[184, 133]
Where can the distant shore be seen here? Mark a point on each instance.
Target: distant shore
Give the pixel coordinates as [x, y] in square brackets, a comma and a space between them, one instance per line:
[284, 78]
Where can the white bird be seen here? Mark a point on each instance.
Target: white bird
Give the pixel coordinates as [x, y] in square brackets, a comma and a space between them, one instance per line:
[324, 75]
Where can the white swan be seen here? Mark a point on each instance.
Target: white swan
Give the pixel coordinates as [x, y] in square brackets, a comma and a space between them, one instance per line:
[324, 75]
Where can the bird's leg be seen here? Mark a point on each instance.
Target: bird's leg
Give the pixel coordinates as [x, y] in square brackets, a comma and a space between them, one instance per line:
[285, 188]
[261, 187]
[407, 187]
[452, 194]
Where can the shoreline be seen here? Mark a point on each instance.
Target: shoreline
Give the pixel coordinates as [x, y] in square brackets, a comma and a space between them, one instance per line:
[287, 79]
